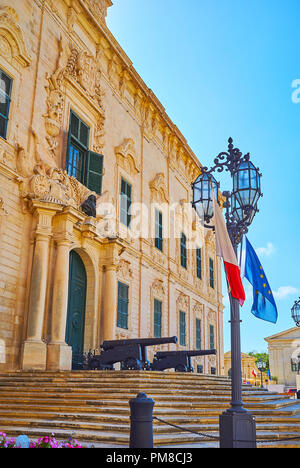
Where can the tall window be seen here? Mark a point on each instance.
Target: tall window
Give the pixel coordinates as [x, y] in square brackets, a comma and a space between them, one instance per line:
[122, 310]
[199, 263]
[182, 329]
[211, 337]
[86, 166]
[125, 203]
[158, 230]
[5, 98]
[183, 253]
[198, 333]
[157, 318]
[211, 273]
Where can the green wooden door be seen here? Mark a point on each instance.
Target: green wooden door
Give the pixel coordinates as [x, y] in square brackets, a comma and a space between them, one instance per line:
[76, 307]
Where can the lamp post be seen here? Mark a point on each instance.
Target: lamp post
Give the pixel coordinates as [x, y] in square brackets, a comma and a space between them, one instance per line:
[261, 366]
[295, 310]
[237, 425]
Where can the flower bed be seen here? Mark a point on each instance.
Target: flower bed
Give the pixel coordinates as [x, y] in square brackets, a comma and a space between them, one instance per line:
[42, 442]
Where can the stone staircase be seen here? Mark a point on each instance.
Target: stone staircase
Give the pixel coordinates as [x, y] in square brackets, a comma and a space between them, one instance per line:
[92, 407]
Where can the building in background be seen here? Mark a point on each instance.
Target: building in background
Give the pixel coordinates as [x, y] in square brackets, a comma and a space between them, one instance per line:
[250, 372]
[284, 349]
[78, 122]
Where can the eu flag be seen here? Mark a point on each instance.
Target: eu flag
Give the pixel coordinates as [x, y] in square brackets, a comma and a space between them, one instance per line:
[264, 306]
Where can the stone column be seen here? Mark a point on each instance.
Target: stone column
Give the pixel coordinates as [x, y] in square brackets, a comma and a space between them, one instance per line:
[59, 353]
[34, 349]
[110, 303]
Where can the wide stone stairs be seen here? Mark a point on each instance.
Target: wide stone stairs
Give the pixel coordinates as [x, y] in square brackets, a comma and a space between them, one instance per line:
[92, 407]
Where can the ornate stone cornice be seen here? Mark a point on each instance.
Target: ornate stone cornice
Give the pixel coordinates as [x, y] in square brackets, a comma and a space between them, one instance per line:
[98, 8]
[12, 44]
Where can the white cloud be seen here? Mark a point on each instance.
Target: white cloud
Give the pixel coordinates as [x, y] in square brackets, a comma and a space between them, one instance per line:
[266, 251]
[284, 291]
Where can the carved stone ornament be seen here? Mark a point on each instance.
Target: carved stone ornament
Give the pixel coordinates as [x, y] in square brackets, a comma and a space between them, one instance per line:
[12, 44]
[182, 302]
[124, 269]
[99, 7]
[126, 156]
[80, 69]
[158, 189]
[55, 186]
[158, 289]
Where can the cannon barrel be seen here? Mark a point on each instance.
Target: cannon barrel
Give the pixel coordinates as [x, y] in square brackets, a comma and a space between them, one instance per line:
[162, 354]
[138, 341]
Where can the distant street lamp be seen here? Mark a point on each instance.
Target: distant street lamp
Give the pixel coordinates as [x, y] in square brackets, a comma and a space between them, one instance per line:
[296, 312]
[261, 366]
[237, 425]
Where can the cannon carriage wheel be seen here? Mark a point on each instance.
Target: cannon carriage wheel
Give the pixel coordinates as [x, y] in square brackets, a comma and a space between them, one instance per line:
[132, 364]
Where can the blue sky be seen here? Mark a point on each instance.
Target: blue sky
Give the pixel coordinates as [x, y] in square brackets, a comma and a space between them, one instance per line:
[226, 68]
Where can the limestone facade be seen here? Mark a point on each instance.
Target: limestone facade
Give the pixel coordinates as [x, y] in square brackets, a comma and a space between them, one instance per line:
[61, 59]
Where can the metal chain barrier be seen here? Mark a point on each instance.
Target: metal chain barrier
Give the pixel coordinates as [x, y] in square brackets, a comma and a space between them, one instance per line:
[186, 430]
[201, 434]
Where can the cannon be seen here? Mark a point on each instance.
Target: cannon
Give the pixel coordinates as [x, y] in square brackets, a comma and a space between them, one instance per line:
[178, 360]
[132, 353]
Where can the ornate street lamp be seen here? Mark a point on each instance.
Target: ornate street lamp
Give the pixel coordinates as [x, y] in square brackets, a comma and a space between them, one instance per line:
[261, 366]
[237, 425]
[296, 312]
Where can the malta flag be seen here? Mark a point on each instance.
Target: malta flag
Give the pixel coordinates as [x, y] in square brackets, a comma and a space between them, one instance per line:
[225, 250]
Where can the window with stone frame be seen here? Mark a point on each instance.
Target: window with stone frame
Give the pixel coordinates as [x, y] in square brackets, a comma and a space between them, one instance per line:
[84, 165]
[5, 98]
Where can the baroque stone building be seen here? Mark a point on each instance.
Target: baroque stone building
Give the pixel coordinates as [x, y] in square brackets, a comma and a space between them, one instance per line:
[78, 122]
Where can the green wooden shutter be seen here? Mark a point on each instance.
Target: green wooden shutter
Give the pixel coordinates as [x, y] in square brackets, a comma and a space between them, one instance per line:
[157, 318]
[158, 230]
[122, 310]
[125, 203]
[211, 337]
[183, 252]
[198, 333]
[94, 172]
[182, 329]
[199, 263]
[211, 273]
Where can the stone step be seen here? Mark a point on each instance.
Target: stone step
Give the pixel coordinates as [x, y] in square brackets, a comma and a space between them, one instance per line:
[93, 406]
[101, 422]
[160, 412]
[112, 375]
[128, 394]
[166, 402]
[118, 387]
[264, 439]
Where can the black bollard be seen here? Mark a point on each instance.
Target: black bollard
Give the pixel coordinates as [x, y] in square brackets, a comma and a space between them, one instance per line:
[141, 421]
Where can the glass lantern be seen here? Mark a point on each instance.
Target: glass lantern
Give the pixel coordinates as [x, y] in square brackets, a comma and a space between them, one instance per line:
[202, 195]
[246, 192]
[296, 312]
